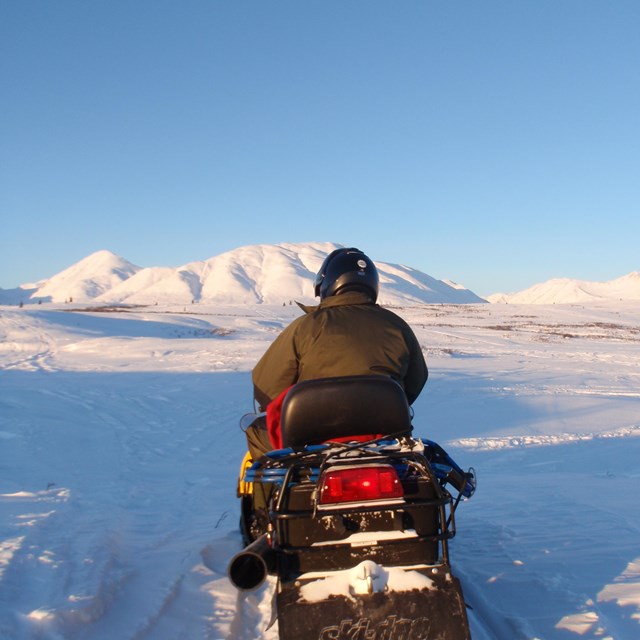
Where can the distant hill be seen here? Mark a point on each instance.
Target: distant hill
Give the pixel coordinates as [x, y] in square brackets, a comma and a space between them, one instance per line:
[566, 291]
[270, 274]
[85, 280]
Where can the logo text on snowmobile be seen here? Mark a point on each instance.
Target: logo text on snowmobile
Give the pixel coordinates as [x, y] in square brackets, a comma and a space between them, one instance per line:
[392, 628]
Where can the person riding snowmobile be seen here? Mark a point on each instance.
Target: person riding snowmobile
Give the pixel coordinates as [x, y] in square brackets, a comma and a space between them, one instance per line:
[317, 512]
[347, 334]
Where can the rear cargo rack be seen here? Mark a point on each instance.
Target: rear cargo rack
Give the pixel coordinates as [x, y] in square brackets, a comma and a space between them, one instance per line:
[295, 474]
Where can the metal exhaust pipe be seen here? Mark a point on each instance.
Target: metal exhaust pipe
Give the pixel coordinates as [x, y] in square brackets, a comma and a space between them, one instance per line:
[249, 568]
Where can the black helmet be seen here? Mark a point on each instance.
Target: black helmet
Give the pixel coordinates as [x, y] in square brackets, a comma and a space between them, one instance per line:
[347, 270]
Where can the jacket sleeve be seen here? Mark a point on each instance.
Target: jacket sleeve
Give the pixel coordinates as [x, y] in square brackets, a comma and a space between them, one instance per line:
[277, 370]
[417, 372]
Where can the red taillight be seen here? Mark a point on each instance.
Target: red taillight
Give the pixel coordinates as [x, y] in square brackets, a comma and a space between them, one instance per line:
[356, 484]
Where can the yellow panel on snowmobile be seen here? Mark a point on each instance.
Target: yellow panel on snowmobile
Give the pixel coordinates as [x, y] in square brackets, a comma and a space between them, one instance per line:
[245, 488]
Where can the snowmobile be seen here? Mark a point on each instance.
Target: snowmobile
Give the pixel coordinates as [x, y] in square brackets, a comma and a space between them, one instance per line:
[356, 533]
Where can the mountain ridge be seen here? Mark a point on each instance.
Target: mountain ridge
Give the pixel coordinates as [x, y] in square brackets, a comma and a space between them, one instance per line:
[252, 274]
[568, 291]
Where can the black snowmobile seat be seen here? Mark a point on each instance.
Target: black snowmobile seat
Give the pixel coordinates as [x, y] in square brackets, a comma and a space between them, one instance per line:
[316, 411]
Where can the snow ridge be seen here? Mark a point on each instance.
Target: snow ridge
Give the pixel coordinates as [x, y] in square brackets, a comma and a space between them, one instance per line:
[541, 440]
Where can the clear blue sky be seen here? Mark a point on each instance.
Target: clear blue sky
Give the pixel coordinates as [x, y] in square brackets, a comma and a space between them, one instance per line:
[493, 143]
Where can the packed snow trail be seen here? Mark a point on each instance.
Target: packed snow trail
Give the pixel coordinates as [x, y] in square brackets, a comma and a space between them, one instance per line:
[563, 533]
[122, 492]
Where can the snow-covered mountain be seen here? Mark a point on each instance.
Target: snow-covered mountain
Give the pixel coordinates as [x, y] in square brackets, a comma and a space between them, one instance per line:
[89, 278]
[566, 291]
[263, 273]
[85, 280]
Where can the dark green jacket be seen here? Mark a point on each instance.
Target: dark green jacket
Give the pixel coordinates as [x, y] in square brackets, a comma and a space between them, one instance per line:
[344, 335]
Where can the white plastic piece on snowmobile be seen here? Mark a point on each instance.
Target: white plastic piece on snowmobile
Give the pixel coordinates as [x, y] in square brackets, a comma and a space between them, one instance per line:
[365, 538]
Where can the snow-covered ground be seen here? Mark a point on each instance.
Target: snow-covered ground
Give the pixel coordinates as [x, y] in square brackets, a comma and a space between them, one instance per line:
[119, 448]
